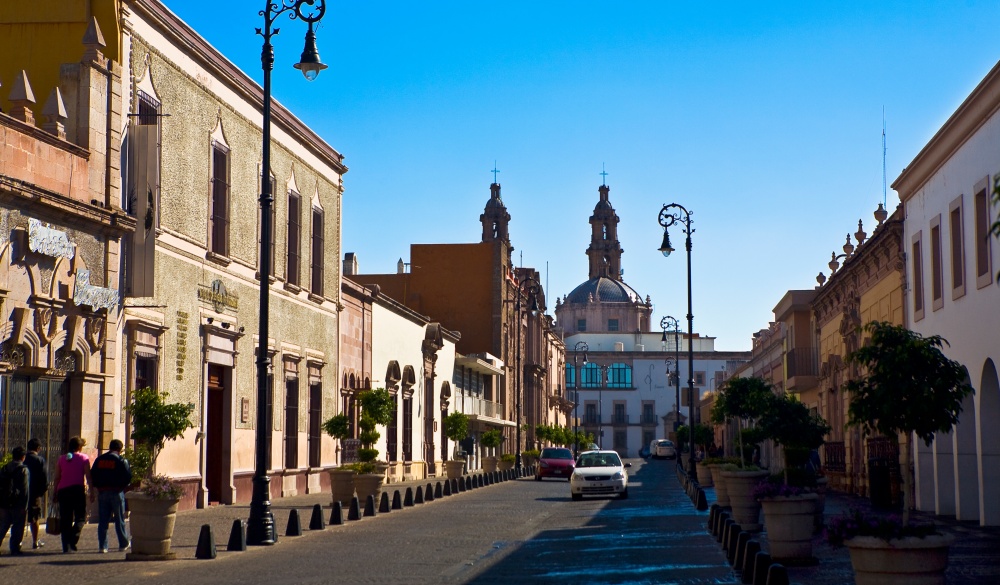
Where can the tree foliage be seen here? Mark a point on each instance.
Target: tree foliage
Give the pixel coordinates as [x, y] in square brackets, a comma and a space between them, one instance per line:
[910, 385]
[456, 426]
[154, 422]
[788, 422]
[741, 398]
[491, 438]
[338, 426]
[376, 409]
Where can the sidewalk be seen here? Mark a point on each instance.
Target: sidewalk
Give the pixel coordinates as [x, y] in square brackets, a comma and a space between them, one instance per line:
[974, 558]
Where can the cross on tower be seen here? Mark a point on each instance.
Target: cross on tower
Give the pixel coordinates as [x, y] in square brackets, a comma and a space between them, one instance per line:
[495, 171]
[604, 175]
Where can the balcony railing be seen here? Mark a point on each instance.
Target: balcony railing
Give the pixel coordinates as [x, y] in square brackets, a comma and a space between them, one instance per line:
[835, 456]
[483, 407]
[649, 419]
[802, 362]
[619, 418]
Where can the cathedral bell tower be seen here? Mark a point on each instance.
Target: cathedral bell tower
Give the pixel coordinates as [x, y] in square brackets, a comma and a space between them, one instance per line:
[605, 251]
[495, 217]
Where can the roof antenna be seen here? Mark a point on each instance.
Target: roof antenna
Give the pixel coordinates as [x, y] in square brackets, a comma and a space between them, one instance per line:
[884, 203]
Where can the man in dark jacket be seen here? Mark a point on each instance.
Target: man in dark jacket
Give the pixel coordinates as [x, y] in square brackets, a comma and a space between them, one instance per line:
[14, 499]
[112, 475]
[39, 484]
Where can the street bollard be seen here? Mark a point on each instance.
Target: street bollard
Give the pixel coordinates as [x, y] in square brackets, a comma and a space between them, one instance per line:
[429, 493]
[237, 537]
[370, 505]
[447, 488]
[408, 498]
[749, 556]
[418, 495]
[734, 534]
[463, 483]
[355, 511]
[206, 543]
[438, 491]
[741, 543]
[777, 574]
[712, 511]
[294, 526]
[720, 537]
[702, 503]
[316, 521]
[397, 501]
[337, 514]
[383, 504]
[762, 562]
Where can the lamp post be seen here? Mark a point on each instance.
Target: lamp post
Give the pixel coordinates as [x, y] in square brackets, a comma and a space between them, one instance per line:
[580, 346]
[260, 524]
[670, 215]
[669, 323]
[531, 288]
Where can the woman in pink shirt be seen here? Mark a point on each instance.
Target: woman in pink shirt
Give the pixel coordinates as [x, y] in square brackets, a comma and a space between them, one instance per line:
[71, 471]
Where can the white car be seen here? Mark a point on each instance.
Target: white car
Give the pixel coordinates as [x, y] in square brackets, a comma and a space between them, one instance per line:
[662, 448]
[599, 473]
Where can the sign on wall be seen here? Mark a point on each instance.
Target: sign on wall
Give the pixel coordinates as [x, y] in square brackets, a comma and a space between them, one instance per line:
[49, 241]
[98, 297]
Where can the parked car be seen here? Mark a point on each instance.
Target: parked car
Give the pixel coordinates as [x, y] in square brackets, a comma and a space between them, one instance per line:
[663, 448]
[599, 473]
[555, 462]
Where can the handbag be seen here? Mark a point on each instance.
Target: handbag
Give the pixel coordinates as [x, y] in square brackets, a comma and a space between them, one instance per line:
[53, 524]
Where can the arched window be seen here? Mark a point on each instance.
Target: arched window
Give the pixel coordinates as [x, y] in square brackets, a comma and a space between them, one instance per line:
[620, 376]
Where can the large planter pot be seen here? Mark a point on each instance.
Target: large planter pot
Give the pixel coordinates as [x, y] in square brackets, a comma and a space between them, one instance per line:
[721, 493]
[368, 484]
[746, 508]
[341, 485]
[528, 460]
[489, 464]
[505, 465]
[911, 560]
[789, 522]
[152, 525]
[704, 476]
[454, 468]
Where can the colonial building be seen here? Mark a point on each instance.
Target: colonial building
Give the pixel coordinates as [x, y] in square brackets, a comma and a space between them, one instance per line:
[621, 384]
[951, 266]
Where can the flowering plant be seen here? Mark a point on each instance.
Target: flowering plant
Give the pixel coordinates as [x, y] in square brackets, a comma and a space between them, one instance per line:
[161, 487]
[857, 522]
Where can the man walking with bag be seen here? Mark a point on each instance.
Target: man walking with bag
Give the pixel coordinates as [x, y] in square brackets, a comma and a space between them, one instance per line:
[14, 499]
[112, 475]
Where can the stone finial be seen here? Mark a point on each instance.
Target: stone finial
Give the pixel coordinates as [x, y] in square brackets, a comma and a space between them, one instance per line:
[881, 214]
[848, 246]
[55, 114]
[22, 99]
[93, 42]
[860, 235]
[821, 278]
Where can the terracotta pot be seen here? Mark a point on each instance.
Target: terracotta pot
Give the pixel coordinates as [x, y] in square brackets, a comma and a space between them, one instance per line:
[746, 508]
[152, 525]
[505, 465]
[341, 485]
[366, 484]
[789, 522]
[489, 464]
[455, 468]
[704, 476]
[911, 560]
[721, 493]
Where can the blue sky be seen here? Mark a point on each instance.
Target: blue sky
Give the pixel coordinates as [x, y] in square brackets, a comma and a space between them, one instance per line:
[763, 119]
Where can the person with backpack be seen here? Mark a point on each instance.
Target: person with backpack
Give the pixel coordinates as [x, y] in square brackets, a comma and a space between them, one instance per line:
[39, 484]
[14, 499]
[112, 475]
[71, 472]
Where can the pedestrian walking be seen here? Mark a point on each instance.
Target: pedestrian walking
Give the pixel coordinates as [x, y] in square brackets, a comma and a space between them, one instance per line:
[38, 485]
[72, 471]
[112, 475]
[14, 499]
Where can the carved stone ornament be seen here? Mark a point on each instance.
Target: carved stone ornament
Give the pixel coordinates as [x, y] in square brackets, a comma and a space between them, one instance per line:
[45, 325]
[95, 332]
[49, 241]
[11, 354]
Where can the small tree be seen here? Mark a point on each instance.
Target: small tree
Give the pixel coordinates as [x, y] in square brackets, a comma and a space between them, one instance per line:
[491, 439]
[456, 427]
[376, 409]
[909, 387]
[154, 422]
[742, 399]
[788, 423]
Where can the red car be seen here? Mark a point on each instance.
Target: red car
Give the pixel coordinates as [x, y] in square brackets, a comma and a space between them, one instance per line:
[555, 462]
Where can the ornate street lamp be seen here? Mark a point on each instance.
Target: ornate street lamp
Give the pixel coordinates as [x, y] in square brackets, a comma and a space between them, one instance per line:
[260, 524]
[669, 323]
[581, 346]
[670, 215]
[530, 288]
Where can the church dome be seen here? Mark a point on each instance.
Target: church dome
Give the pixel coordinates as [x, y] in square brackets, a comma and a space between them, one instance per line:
[604, 290]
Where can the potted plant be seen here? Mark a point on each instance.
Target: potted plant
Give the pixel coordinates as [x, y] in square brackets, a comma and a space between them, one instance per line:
[341, 478]
[456, 428]
[376, 409]
[910, 388]
[491, 439]
[530, 457]
[506, 462]
[703, 436]
[153, 506]
[742, 400]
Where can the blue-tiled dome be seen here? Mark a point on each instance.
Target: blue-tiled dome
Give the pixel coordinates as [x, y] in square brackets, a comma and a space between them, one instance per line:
[604, 289]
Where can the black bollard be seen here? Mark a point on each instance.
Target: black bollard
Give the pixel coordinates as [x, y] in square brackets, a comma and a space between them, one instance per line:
[467, 484]
[237, 537]
[206, 543]
[408, 498]
[777, 574]
[702, 503]
[337, 514]
[749, 556]
[478, 481]
[447, 488]
[370, 505]
[456, 485]
[712, 511]
[761, 563]
[734, 537]
[721, 536]
[316, 522]
[294, 527]
[438, 491]
[418, 497]
[429, 493]
[397, 501]
[355, 511]
[741, 543]
[383, 505]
